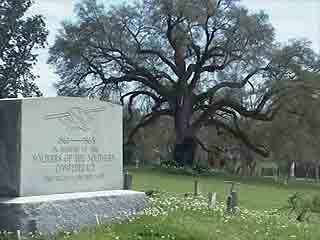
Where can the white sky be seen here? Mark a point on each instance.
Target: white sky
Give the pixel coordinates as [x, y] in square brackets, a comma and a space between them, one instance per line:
[291, 19]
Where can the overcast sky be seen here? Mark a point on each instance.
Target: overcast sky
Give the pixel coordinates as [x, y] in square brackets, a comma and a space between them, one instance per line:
[291, 19]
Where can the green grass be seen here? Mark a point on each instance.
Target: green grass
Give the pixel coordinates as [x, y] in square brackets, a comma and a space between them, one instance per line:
[173, 216]
[254, 193]
[192, 220]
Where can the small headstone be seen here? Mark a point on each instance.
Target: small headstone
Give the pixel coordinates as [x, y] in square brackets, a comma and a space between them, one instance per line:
[292, 169]
[229, 203]
[196, 188]
[234, 201]
[19, 235]
[137, 163]
[212, 200]
[232, 198]
[97, 219]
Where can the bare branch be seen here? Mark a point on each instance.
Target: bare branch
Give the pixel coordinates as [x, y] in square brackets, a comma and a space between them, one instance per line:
[202, 97]
[134, 35]
[170, 27]
[225, 105]
[254, 114]
[205, 148]
[240, 135]
[163, 58]
[161, 74]
[137, 93]
[137, 74]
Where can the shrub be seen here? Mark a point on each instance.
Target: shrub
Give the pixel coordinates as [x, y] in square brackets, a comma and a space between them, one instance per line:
[168, 164]
[302, 206]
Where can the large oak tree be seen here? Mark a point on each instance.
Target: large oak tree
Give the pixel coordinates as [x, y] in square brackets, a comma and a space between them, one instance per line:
[189, 58]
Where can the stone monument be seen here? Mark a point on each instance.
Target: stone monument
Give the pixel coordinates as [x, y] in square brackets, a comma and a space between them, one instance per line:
[61, 164]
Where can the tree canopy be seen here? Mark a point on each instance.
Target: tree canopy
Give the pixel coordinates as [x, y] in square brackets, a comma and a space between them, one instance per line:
[294, 133]
[19, 36]
[202, 62]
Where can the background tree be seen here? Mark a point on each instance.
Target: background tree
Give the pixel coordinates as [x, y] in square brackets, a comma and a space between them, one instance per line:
[184, 57]
[293, 135]
[19, 36]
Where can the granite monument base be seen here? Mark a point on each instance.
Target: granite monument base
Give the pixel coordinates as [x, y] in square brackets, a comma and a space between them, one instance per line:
[51, 213]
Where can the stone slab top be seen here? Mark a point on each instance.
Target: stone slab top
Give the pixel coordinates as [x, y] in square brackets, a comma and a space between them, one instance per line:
[67, 196]
[58, 97]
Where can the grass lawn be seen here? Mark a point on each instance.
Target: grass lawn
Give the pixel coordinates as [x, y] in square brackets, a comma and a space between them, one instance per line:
[173, 216]
[186, 218]
[253, 193]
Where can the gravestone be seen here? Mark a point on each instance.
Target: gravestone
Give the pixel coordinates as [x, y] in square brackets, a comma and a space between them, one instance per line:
[61, 161]
[232, 197]
[212, 198]
[292, 169]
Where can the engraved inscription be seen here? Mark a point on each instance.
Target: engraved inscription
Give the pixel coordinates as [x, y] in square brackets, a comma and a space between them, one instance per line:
[70, 145]
[74, 159]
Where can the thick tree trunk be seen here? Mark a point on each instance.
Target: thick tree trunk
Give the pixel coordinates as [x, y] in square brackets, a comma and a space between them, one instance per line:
[186, 144]
[184, 152]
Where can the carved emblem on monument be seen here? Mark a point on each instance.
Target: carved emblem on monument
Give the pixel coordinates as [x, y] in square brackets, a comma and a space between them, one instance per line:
[76, 118]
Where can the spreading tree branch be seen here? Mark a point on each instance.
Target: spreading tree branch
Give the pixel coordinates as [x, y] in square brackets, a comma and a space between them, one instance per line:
[162, 57]
[158, 101]
[211, 92]
[225, 105]
[137, 93]
[238, 133]
[207, 149]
